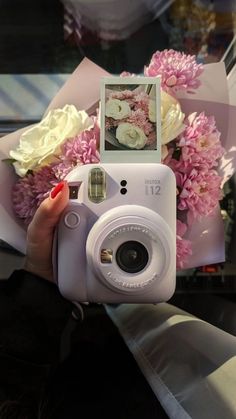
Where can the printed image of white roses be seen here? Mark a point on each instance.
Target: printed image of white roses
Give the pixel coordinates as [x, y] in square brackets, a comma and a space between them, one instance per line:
[131, 136]
[117, 109]
[130, 120]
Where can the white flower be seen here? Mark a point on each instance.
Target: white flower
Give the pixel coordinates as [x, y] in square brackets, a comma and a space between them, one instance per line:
[171, 118]
[40, 144]
[131, 136]
[117, 109]
[152, 110]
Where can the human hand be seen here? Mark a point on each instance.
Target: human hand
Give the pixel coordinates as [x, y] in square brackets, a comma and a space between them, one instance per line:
[41, 230]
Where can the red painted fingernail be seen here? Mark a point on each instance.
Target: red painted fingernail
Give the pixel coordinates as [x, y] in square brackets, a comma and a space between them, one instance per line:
[57, 189]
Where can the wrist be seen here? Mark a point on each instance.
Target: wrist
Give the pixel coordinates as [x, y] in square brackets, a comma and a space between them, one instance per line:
[42, 272]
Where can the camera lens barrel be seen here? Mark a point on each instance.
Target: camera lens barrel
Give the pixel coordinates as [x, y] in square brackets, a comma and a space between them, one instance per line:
[132, 256]
[140, 246]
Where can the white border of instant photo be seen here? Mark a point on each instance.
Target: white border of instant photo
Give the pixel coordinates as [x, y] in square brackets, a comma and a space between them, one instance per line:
[132, 155]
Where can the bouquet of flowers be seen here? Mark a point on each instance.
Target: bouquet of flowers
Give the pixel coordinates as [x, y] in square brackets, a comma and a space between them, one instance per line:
[67, 137]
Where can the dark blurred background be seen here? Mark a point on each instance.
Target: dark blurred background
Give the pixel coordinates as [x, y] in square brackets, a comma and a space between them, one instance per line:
[52, 36]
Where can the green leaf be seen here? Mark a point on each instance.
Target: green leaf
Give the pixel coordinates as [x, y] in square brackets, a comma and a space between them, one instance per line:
[177, 153]
[9, 161]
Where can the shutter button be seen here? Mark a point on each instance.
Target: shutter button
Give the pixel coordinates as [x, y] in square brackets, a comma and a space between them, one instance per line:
[72, 219]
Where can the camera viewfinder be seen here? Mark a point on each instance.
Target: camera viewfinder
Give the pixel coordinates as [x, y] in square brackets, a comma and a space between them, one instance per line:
[97, 185]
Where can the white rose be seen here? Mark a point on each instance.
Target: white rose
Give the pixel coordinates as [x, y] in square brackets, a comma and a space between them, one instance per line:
[130, 135]
[171, 118]
[152, 110]
[117, 109]
[40, 144]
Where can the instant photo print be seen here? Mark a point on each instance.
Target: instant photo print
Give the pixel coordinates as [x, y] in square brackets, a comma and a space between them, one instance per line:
[130, 120]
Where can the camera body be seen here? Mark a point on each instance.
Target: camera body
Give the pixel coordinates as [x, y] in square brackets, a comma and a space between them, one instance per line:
[116, 240]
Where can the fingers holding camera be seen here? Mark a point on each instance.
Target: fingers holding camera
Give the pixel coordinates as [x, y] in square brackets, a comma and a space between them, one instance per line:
[41, 230]
[48, 214]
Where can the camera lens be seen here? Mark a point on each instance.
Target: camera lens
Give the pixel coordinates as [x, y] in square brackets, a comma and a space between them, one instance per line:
[132, 257]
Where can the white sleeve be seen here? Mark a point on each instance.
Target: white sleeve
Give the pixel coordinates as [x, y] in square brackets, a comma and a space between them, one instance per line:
[190, 364]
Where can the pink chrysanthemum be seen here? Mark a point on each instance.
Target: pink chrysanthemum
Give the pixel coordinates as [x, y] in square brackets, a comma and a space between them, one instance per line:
[208, 157]
[199, 125]
[183, 246]
[141, 101]
[177, 70]
[139, 118]
[198, 146]
[79, 150]
[199, 192]
[62, 169]
[135, 100]
[123, 95]
[30, 191]
[188, 161]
